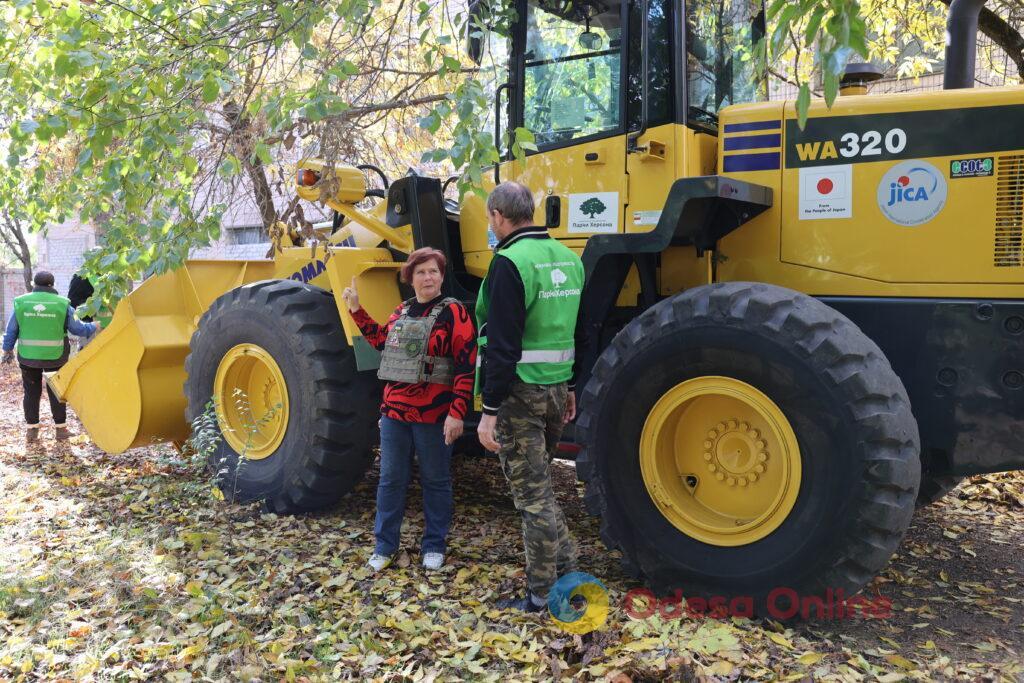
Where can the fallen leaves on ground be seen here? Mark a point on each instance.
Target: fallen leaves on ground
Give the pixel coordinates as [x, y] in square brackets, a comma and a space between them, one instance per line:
[131, 567]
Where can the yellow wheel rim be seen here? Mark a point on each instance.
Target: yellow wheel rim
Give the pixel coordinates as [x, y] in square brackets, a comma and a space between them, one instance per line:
[720, 460]
[251, 401]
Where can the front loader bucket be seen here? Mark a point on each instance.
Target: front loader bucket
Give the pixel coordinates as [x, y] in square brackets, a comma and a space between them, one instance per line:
[126, 385]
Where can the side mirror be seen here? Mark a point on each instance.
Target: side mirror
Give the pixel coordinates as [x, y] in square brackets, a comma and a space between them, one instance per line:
[590, 41]
[474, 32]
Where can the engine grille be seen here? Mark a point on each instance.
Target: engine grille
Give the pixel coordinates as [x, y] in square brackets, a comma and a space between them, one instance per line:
[1009, 212]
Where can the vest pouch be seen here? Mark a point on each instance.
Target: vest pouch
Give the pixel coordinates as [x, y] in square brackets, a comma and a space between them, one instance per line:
[405, 350]
[439, 370]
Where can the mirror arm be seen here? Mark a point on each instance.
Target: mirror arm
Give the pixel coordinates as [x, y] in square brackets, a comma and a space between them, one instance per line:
[497, 129]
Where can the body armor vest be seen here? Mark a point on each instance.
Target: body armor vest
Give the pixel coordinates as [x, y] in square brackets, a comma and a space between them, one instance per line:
[405, 358]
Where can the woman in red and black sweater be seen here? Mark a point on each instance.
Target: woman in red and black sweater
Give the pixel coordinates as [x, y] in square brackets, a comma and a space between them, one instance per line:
[421, 418]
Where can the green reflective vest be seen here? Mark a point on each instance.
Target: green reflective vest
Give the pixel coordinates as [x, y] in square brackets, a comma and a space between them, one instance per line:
[41, 317]
[552, 277]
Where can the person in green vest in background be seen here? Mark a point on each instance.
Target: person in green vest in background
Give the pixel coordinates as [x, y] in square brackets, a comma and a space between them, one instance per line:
[40, 324]
[526, 312]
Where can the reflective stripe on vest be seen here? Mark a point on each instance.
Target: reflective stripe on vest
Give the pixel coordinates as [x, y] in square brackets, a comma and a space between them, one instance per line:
[547, 356]
[40, 342]
[541, 356]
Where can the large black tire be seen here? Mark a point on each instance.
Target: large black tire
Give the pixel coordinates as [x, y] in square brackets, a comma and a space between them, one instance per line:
[333, 408]
[934, 488]
[858, 441]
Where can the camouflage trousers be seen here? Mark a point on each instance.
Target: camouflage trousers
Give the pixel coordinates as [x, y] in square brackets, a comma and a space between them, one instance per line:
[528, 428]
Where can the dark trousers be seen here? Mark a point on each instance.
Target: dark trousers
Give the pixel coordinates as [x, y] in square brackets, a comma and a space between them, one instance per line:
[32, 381]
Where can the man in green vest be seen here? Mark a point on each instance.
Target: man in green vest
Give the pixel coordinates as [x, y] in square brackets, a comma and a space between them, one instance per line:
[526, 312]
[40, 324]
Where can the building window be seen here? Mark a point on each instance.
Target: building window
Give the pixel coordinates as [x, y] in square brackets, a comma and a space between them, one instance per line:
[247, 234]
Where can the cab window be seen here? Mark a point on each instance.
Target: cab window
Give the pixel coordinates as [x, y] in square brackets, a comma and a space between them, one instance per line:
[659, 64]
[573, 72]
[721, 35]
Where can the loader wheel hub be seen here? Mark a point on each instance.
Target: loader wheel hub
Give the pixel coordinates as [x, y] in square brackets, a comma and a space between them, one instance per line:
[720, 460]
[251, 401]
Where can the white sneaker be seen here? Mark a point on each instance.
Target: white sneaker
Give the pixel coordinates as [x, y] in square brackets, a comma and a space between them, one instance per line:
[433, 560]
[378, 562]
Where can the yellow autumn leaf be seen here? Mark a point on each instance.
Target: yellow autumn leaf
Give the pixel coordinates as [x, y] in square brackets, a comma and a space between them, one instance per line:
[722, 668]
[780, 639]
[810, 658]
[901, 662]
[642, 644]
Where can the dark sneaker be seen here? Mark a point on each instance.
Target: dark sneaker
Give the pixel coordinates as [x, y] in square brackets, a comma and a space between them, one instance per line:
[32, 435]
[527, 604]
[63, 434]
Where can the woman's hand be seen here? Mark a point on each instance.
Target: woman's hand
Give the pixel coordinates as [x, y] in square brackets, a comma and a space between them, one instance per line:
[452, 430]
[351, 297]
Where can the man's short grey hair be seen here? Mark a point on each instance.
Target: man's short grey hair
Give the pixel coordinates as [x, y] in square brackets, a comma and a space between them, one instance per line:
[513, 201]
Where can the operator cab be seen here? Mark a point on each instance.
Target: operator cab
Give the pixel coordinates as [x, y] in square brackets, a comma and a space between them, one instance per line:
[568, 62]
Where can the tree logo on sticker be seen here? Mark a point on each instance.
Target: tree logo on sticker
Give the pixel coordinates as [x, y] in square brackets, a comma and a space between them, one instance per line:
[592, 207]
[912, 193]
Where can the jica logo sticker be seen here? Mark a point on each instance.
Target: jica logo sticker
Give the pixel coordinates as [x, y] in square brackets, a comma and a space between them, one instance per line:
[911, 193]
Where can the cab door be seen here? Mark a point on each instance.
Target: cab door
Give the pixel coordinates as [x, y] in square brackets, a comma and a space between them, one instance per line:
[568, 91]
[655, 159]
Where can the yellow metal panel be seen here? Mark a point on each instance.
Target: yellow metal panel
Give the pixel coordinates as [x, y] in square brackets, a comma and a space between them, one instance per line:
[651, 175]
[867, 254]
[681, 269]
[630, 292]
[473, 222]
[566, 171]
[376, 276]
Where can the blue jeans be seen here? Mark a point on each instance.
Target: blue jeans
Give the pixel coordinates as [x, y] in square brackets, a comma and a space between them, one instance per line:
[398, 442]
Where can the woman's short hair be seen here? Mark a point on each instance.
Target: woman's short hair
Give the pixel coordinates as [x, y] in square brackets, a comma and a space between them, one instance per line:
[421, 256]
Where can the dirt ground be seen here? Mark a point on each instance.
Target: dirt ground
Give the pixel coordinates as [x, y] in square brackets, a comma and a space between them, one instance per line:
[129, 567]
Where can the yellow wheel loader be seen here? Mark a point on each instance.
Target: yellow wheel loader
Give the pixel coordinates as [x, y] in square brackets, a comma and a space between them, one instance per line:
[791, 331]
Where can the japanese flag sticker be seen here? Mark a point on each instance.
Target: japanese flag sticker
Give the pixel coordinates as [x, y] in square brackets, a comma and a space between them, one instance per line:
[826, 192]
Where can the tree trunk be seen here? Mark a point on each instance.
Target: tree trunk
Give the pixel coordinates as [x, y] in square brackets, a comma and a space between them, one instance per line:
[241, 131]
[14, 238]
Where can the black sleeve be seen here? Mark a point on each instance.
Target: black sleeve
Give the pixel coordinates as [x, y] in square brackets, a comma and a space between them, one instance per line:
[79, 290]
[580, 342]
[506, 321]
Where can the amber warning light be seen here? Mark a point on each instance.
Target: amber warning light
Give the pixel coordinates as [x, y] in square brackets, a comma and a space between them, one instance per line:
[308, 177]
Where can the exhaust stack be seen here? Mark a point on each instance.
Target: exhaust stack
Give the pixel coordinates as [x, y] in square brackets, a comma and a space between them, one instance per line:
[961, 43]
